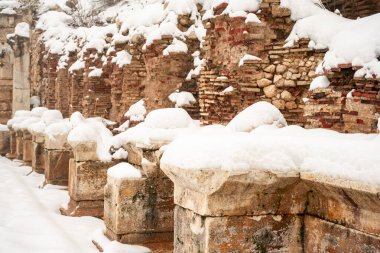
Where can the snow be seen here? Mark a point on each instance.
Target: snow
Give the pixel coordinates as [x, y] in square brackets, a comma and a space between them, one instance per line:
[258, 114]
[51, 116]
[22, 30]
[137, 111]
[95, 72]
[38, 111]
[319, 82]
[229, 89]
[177, 46]
[31, 222]
[35, 101]
[252, 18]
[58, 129]
[248, 57]
[120, 154]
[182, 98]
[4, 128]
[340, 35]
[91, 130]
[289, 149]
[168, 118]
[8, 11]
[122, 58]
[301, 8]
[124, 170]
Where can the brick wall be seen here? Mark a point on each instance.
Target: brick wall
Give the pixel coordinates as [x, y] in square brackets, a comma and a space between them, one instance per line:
[354, 8]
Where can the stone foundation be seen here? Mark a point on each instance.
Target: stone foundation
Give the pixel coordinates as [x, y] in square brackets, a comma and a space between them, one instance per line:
[12, 145]
[57, 166]
[4, 142]
[19, 145]
[27, 147]
[261, 211]
[86, 188]
[38, 153]
[140, 211]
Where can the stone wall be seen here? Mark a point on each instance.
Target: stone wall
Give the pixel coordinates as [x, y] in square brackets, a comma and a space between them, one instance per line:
[353, 8]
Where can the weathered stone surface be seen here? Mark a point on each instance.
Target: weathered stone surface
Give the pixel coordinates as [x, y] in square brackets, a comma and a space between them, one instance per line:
[266, 233]
[19, 145]
[12, 145]
[27, 151]
[85, 152]
[38, 157]
[323, 236]
[139, 210]
[57, 166]
[4, 142]
[86, 188]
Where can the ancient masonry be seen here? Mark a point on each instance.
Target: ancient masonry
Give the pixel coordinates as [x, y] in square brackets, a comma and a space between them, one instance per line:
[200, 211]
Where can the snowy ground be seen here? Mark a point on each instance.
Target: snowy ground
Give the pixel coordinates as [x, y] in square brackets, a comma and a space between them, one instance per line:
[30, 220]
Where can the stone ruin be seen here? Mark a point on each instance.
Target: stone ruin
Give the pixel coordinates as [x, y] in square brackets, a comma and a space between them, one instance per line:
[198, 211]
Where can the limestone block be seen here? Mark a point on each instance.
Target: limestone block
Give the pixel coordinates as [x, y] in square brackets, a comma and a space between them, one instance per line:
[19, 145]
[139, 210]
[323, 236]
[87, 179]
[27, 143]
[85, 152]
[56, 142]
[6, 71]
[264, 82]
[12, 144]
[266, 233]
[270, 91]
[38, 157]
[57, 166]
[4, 142]
[218, 192]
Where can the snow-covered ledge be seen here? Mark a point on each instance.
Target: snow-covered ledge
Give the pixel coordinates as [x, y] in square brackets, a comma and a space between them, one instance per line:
[299, 187]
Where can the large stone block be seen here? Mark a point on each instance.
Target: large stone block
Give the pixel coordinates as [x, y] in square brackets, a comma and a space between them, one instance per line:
[12, 145]
[4, 142]
[27, 152]
[38, 157]
[19, 145]
[324, 236]
[265, 233]
[85, 152]
[57, 166]
[86, 188]
[139, 210]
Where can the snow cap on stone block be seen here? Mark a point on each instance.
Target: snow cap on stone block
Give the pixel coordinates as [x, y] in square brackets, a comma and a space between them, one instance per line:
[168, 118]
[258, 114]
[124, 171]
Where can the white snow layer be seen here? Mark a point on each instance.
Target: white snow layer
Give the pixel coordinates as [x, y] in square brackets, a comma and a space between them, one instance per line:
[31, 221]
[355, 42]
[258, 114]
[289, 149]
[319, 82]
[168, 118]
[124, 170]
[137, 111]
[182, 98]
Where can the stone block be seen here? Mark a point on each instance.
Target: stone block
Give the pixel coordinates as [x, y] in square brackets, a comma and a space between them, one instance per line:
[19, 145]
[86, 188]
[27, 152]
[57, 166]
[85, 152]
[324, 236]
[38, 157]
[265, 233]
[4, 142]
[139, 210]
[12, 145]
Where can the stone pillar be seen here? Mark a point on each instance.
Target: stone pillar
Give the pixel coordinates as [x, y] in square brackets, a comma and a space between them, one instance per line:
[38, 153]
[57, 156]
[4, 141]
[87, 178]
[6, 76]
[21, 64]
[140, 211]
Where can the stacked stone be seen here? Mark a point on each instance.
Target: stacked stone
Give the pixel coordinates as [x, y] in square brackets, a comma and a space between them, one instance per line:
[331, 108]
[49, 80]
[36, 64]
[140, 210]
[6, 84]
[165, 74]
[97, 94]
[4, 141]
[227, 41]
[353, 8]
